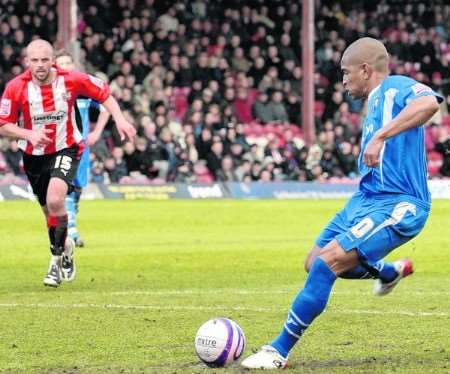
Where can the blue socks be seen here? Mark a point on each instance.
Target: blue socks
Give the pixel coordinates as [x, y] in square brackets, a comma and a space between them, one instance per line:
[307, 305]
[358, 272]
[381, 270]
[386, 272]
[313, 298]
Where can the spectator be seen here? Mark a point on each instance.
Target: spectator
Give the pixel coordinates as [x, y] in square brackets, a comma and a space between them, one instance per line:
[265, 176]
[184, 169]
[170, 149]
[112, 173]
[130, 157]
[273, 150]
[214, 157]
[239, 62]
[97, 172]
[224, 56]
[227, 171]
[289, 165]
[256, 170]
[286, 52]
[261, 110]
[190, 148]
[328, 163]
[277, 109]
[347, 160]
[120, 164]
[243, 171]
[258, 70]
[236, 153]
[294, 108]
[255, 155]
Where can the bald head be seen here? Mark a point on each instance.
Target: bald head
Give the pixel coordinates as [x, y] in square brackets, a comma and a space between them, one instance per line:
[39, 45]
[367, 50]
[364, 65]
[39, 59]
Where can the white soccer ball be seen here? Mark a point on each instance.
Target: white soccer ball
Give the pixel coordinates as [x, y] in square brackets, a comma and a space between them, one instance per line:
[219, 342]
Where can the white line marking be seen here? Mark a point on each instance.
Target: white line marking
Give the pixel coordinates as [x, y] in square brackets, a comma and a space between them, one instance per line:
[237, 291]
[263, 292]
[214, 308]
[393, 312]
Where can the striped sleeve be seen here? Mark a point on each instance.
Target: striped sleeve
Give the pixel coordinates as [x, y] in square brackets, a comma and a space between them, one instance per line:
[8, 105]
[90, 86]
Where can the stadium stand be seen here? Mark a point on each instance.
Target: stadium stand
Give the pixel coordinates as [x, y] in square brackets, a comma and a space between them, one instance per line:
[214, 87]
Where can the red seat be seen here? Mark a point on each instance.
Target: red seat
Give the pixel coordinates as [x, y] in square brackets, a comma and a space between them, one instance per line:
[446, 121]
[295, 129]
[435, 161]
[319, 108]
[257, 129]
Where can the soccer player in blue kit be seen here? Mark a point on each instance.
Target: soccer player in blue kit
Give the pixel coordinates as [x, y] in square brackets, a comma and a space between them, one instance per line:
[390, 207]
[65, 61]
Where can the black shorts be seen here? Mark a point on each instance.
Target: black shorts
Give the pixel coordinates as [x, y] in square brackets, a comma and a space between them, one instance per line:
[62, 164]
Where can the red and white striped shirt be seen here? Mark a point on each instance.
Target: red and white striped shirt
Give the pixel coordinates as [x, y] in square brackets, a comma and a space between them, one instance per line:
[50, 106]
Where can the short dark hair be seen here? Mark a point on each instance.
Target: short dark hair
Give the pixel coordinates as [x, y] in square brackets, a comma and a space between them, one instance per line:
[63, 52]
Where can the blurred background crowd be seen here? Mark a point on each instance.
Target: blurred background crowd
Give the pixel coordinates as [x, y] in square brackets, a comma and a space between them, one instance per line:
[214, 86]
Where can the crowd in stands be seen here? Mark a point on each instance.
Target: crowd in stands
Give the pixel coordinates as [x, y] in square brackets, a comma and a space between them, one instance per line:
[214, 86]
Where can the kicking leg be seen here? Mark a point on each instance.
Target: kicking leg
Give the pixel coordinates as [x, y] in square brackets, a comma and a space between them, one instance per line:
[386, 272]
[307, 305]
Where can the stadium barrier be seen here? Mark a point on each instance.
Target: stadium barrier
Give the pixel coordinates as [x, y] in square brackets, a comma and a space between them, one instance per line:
[440, 189]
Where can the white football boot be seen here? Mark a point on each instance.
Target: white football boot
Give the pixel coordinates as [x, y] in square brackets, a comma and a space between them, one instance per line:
[404, 267]
[68, 268]
[53, 277]
[267, 358]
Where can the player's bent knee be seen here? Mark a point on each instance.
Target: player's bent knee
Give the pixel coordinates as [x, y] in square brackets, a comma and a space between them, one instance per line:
[56, 196]
[308, 262]
[307, 265]
[313, 253]
[338, 259]
[55, 203]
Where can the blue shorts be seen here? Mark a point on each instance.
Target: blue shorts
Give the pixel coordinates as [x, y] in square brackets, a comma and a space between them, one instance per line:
[375, 225]
[82, 177]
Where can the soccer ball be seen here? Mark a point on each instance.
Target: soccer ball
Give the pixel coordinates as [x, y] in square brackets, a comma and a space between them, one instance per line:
[219, 342]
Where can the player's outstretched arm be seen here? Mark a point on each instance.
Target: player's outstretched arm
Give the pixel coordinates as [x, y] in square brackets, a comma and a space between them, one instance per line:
[124, 128]
[38, 138]
[415, 114]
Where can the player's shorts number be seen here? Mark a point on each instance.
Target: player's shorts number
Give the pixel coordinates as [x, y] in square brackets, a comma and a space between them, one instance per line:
[63, 162]
[362, 228]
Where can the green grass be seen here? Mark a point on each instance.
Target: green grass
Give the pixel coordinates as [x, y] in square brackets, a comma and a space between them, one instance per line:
[153, 272]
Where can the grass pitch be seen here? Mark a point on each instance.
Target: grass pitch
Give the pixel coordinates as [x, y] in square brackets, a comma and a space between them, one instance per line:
[153, 272]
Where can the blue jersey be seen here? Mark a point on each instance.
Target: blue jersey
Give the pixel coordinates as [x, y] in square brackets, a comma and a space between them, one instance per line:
[83, 105]
[403, 167]
[82, 177]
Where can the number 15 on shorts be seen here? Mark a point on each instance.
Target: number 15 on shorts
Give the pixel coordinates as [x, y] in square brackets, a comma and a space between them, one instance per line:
[64, 163]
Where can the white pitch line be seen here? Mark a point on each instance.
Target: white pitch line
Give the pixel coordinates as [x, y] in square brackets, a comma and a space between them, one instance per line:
[263, 292]
[170, 292]
[392, 312]
[214, 308]
[229, 291]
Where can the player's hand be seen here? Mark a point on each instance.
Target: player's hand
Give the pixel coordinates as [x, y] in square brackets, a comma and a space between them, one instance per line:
[126, 130]
[40, 138]
[92, 138]
[371, 154]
